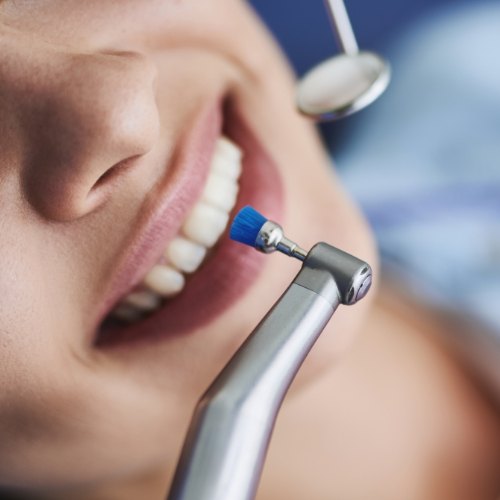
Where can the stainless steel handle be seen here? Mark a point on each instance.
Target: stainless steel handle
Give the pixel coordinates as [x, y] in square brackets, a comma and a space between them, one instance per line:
[224, 451]
[225, 447]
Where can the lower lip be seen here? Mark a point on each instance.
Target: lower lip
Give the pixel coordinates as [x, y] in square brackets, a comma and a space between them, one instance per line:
[230, 270]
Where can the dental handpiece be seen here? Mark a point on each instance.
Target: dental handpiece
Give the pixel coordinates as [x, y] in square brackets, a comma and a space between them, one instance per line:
[227, 440]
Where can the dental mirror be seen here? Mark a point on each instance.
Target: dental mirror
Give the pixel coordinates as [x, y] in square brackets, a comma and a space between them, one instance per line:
[345, 83]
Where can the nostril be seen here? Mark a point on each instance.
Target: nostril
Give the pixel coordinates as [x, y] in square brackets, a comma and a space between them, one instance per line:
[107, 183]
[112, 174]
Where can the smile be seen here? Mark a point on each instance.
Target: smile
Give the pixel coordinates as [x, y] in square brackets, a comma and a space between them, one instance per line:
[200, 231]
[181, 271]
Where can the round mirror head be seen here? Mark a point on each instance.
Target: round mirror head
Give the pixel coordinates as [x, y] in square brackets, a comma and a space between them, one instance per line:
[342, 85]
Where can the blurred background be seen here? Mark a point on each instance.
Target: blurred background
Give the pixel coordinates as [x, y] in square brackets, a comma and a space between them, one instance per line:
[302, 28]
[423, 161]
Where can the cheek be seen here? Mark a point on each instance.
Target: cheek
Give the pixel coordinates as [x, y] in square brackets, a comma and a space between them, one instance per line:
[34, 404]
[34, 310]
[57, 413]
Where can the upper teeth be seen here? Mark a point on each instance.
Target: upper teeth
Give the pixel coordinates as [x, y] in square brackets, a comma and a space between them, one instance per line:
[200, 231]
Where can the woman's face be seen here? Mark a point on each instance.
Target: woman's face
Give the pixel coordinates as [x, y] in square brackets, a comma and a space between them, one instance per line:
[110, 119]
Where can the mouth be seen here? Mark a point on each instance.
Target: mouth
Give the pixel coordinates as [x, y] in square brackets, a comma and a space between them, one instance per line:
[181, 271]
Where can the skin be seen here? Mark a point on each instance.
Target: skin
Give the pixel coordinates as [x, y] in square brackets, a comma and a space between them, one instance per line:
[81, 93]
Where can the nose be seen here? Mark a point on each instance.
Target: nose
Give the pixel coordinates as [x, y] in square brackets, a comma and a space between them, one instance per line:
[86, 120]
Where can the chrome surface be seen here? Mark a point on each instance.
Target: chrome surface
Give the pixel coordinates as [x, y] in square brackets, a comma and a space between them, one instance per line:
[225, 448]
[339, 19]
[272, 238]
[227, 440]
[345, 83]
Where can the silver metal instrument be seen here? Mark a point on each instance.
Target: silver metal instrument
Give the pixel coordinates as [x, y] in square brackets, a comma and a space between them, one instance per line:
[347, 82]
[226, 444]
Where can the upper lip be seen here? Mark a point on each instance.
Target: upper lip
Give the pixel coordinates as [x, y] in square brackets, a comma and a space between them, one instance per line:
[176, 196]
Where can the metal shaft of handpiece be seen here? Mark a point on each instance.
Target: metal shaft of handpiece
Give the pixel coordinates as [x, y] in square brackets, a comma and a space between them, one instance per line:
[224, 451]
[342, 26]
[271, 238]
[291, 248]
